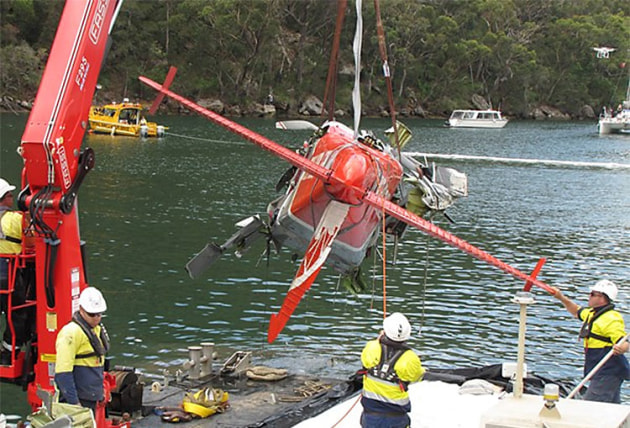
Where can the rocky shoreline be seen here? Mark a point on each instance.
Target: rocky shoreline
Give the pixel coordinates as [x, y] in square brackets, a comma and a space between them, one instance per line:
[312, 106]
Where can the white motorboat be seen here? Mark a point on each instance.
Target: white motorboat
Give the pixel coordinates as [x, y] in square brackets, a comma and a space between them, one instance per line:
[618, 123]
[476, 119]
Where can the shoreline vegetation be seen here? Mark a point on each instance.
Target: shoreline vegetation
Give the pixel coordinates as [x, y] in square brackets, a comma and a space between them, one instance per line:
[10, 105]
[530, 59]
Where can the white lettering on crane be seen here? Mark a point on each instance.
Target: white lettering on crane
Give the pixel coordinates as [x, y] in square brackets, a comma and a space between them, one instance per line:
[75, 290]
[63, 163]
[82, 73]
[97, 21]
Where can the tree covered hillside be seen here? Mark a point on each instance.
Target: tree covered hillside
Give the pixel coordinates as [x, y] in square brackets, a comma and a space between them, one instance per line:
[515, 54]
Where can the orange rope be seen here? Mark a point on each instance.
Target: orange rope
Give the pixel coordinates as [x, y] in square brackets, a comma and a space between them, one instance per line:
[348, 412]
[384, 268]
[392, 110]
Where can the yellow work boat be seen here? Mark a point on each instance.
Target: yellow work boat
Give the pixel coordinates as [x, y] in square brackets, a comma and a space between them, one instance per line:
[124, 119]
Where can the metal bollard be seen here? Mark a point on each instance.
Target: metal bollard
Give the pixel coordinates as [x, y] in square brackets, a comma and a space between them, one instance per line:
[193, 365]
[206, 360]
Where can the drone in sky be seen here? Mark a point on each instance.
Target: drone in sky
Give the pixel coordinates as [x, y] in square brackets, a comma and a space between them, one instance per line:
[604, 52]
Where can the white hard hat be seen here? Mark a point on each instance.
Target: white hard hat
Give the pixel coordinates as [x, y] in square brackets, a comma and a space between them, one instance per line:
[92, 301]
[5, 187]
[397, 327]
[607, 287]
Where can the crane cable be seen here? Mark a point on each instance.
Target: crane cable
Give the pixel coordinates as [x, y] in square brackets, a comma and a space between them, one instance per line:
[381, 39]
[331, 80]
[392, 112]
[424, 286]
[388, 79]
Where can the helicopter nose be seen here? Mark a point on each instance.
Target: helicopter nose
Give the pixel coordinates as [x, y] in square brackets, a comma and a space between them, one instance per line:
[353, 173]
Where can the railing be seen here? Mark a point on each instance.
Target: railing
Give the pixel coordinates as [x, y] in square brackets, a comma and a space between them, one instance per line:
[16, 263]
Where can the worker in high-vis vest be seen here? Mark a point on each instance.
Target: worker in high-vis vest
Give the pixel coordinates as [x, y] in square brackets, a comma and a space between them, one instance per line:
[389, 366]
[81, 347]
[10, 243]
[10, 221]
[603, 333]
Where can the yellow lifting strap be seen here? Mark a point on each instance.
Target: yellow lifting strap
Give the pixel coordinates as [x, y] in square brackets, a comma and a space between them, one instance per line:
[206, 402]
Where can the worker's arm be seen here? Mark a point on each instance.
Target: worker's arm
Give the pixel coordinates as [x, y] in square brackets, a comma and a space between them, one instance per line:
[64, 377]
[371, 354]
[618, 335]
[569, 304]
[409, 368]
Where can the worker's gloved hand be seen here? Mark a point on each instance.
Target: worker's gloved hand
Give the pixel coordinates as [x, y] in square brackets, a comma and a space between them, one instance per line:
[557, 293]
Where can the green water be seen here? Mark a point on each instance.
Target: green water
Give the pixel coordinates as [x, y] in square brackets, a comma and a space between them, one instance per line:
[149, 205]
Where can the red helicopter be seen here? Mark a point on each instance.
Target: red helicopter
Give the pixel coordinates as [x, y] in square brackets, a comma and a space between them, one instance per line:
[339, 190]
[342, 185]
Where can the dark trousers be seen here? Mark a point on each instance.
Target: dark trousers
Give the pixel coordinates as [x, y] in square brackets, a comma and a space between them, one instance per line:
[606, 388]
[384, 420]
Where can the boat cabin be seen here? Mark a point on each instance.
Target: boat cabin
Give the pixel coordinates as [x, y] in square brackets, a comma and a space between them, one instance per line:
[476, 119]
[476, 115]
[125, 119]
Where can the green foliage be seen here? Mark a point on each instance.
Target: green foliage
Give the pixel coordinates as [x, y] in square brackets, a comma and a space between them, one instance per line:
[20, 72]
[516, 54]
